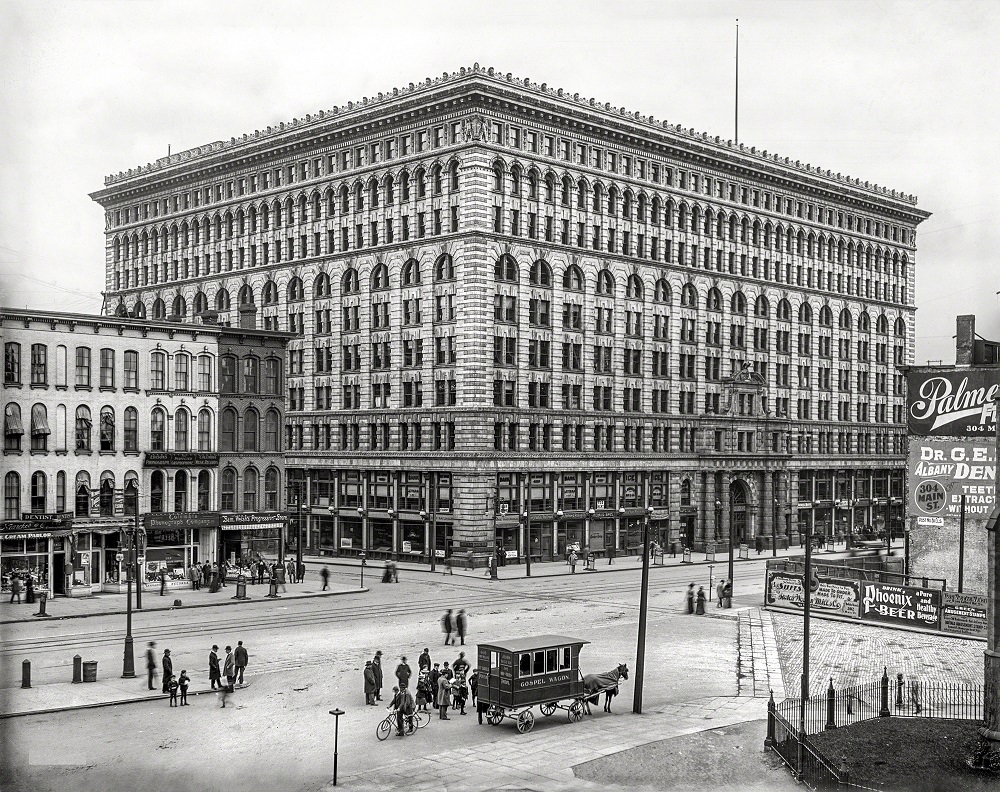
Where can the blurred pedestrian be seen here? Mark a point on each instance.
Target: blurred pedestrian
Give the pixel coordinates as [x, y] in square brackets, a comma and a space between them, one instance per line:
[168, 669]
[163, 583]
[461, 666]
[447, 626]
[700, 606]
[690, 598]
[241, 658]
[369, 683]
[611, 553]
[377, 666]
[727, 594]
[324, 573]
[461, 625]
[214, 672]
[29, 589]
[15, 588]
[150, 664]
[229, 669]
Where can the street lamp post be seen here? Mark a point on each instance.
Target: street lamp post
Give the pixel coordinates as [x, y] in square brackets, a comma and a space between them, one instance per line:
[729, 532]
[774, 531]
[640, 651]
[526, 516]
[298, 519]
[804, 693]
[361, 514]
[128, 661]
[336, 738]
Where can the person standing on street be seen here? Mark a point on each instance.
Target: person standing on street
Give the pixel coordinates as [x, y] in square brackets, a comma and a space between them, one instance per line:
[29, 589]
[150, 664]
[727, 594]
[301, 572]
[241, 657]
[474, 685]
[443, 697]
[690, 598]
[369, 683]
[572, 561]
[424, 661]
[720, 596]
[461, 625]
[611, 553]
[163, 584]
[168, 669]
[214, 673]
[447, 626]
[183, 682]
[377, 667]
[700, 606]
[434, 676]
[290, 569]
[460, 666]
[403, 673]
[324, 573]
[229, 669]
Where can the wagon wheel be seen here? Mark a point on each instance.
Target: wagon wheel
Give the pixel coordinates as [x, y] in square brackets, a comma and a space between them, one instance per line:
[494, 715]
[548, 708]
[575, 711]
[525, 721]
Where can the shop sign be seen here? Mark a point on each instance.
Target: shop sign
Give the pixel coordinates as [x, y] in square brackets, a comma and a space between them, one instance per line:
[346, 543]
[919, 607]
[173, 520]
[830, 595]
[952, 403]
[942, 471]
[660, 514]
[254, 521]
[24, 534]
[964, 614]
[49, 518]
[407, 547]
[161, 459]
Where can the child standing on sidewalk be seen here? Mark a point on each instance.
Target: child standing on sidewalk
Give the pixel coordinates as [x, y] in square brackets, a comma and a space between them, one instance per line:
[183, 682]
[172, 687]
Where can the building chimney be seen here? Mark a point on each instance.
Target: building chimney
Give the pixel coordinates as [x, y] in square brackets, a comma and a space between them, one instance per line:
[965, 339]
[248, 316]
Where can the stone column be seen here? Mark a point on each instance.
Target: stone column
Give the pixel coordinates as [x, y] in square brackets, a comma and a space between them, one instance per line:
[767, 510]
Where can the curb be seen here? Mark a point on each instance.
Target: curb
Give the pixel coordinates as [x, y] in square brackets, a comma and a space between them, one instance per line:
[228, 601]
[96, 704]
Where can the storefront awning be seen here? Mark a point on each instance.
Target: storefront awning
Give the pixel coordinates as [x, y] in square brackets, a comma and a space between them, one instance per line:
[12, 421]
[39, 420]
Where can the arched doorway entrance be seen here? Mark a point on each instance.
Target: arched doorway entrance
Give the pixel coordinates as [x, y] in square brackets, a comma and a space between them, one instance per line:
[740, 512]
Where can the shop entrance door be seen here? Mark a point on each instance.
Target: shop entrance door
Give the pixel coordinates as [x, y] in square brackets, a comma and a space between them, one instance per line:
[58, 577]
[546, 542]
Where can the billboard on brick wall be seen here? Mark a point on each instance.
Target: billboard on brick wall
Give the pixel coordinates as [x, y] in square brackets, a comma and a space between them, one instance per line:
[916, 607]
[942, 471]
[784, 589]
[952, 403]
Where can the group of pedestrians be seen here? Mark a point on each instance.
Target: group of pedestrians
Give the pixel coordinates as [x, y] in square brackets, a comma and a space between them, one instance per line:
[444, 689]
[695, 600]
[454, 625]
[233, 668]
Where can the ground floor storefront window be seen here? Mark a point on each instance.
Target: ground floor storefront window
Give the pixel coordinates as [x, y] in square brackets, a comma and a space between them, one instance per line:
[239, 548]
[173, 550]
[24, 557]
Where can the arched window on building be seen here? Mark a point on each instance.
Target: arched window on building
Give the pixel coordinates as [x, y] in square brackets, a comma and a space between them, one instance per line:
[181, 491]
[39, 490]
[251, 427]
[227, 492]
[573, 278]
[204, 429]
[634, 288]
[250, 489]
[541, 274]
[271, 484]
[158, 430]
[605, 283]
[444, 268]
[410, 275]
[107, 496]
[12, 496]
[107, 428]
[81, 493]
[227, 430]
[349, 283]
[182, 429]
[272, 429]
[131, 494]
[84, 427]
[204, 491]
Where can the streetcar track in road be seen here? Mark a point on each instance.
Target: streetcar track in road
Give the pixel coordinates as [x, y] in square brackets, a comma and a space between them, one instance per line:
[590, 594]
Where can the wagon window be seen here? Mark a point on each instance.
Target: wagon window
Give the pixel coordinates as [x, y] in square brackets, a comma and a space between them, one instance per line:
[525, 665]
[551, 660]
[494, 661]
[539, 667]
[566, 658]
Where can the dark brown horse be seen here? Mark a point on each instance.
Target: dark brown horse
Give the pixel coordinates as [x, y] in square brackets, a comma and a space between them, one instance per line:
[607, 683]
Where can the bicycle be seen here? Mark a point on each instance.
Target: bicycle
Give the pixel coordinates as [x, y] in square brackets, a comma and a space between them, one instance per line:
[410, 724]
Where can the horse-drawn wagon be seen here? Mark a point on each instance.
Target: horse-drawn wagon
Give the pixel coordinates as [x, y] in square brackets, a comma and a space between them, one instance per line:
[516, 675]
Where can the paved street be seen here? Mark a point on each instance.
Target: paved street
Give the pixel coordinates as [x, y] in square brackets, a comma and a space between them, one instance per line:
[306, 656]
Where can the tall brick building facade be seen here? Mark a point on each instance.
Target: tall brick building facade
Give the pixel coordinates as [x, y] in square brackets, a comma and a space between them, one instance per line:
[516, 307]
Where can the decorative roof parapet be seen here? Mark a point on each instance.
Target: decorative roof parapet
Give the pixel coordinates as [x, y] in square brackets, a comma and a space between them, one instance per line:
[542, 88]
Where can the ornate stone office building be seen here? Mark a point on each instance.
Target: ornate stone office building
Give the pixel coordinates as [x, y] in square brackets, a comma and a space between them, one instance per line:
[527, 317]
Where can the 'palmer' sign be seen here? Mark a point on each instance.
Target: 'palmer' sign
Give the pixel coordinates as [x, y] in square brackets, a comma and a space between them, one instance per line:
[952, 403]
